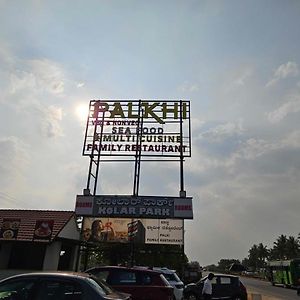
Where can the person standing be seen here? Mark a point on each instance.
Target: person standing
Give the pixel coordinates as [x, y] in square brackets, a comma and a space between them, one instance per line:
[207, 287]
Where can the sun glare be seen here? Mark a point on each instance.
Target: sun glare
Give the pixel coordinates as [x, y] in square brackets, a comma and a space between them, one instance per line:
[82, 111]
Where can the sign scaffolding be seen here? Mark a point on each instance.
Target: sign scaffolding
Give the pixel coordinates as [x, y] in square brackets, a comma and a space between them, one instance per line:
[136, 131]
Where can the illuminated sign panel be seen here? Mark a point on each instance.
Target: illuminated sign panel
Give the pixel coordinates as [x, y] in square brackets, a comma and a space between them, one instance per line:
[151, 207]
[121, 230]
[123, 127]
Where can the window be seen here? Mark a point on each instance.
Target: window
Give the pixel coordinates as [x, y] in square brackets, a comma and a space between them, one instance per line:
[170, 277]
[17, 289]
[101, 275]
[123, 278]
[145, 279]
[225, 280]
[99, 286]
[59, 290]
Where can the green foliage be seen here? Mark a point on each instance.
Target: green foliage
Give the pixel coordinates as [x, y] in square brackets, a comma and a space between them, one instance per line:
[169, 256]
[224, 264]
[212, 268]
[258, 254]
[283, 248]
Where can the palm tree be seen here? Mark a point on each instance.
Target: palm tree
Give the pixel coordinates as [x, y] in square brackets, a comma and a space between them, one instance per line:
[254, 257]
[263, 254]
[280, 247]
[292, 247]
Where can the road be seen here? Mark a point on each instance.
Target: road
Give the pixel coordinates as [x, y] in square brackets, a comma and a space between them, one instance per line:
[257, 287]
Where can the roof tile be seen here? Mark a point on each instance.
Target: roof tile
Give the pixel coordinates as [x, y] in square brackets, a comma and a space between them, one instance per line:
[28, 220]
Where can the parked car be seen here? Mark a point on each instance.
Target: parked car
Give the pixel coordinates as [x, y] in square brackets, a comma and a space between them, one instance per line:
[223, 287]
[142, 284]
[173, 280]
[57, 286]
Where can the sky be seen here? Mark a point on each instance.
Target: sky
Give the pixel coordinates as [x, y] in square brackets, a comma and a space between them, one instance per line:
[238, 62]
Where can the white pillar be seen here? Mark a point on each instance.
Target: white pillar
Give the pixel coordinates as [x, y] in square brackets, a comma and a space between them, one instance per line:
[52, 255]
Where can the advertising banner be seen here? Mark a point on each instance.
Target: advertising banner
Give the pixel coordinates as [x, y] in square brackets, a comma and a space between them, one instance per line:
[43, 230]
[150, 207]
[164, 232]
[9, 229]
[125, 230]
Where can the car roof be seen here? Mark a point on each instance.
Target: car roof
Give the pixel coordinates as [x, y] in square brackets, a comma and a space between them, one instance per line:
[50, 274]
[222, 275]
[135, 268]
[164, 270]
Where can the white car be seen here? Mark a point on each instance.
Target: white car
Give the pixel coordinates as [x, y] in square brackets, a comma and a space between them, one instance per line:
[173, 280]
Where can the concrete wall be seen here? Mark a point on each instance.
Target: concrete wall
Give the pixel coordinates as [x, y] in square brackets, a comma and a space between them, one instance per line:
[52, 256]
[70, 231]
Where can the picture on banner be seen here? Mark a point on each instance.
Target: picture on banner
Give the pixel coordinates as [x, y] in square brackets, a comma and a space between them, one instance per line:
[43, 229]
[122, 230]
[9, 229]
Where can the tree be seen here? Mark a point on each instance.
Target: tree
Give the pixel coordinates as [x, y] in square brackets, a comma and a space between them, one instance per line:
[224, 264]
[152, 255]
[245, 263]
[280, 248]
[254, 257]
[263, 254]
[292, 247]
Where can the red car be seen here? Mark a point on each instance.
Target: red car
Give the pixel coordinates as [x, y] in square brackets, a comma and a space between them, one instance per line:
[142, 284]
[57, 285]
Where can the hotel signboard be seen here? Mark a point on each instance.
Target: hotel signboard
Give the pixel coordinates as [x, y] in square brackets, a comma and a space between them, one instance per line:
[151, 207]
[142, 130]
[114, 128]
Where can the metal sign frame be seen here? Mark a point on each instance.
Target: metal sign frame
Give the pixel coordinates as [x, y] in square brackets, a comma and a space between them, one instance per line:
[114, 128]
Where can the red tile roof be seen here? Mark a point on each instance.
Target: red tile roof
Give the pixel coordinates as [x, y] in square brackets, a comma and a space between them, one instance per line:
[28, 220]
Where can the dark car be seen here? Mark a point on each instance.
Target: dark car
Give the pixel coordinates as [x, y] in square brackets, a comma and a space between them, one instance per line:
[223, 287]
[57, 286]
[142, 284]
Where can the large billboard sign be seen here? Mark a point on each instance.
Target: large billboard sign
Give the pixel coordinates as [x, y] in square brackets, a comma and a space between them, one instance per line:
[150, 207]
[156, 128]
[121, 230]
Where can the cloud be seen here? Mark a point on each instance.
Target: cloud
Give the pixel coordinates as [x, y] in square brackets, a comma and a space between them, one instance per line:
[38, 76]
[253, 148]
[80, 84]
[206, 160]
[14, 158]
[189, 87]
[292, 106]
[50, 118]
[290, 69]
[292, 140]
[29, 87]
[223, 131]
[6, 57]
[238, 79]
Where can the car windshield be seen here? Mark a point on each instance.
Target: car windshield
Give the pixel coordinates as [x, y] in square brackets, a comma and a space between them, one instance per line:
[171, 277]
[10, 289]
[213, 281]
[100, 286]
